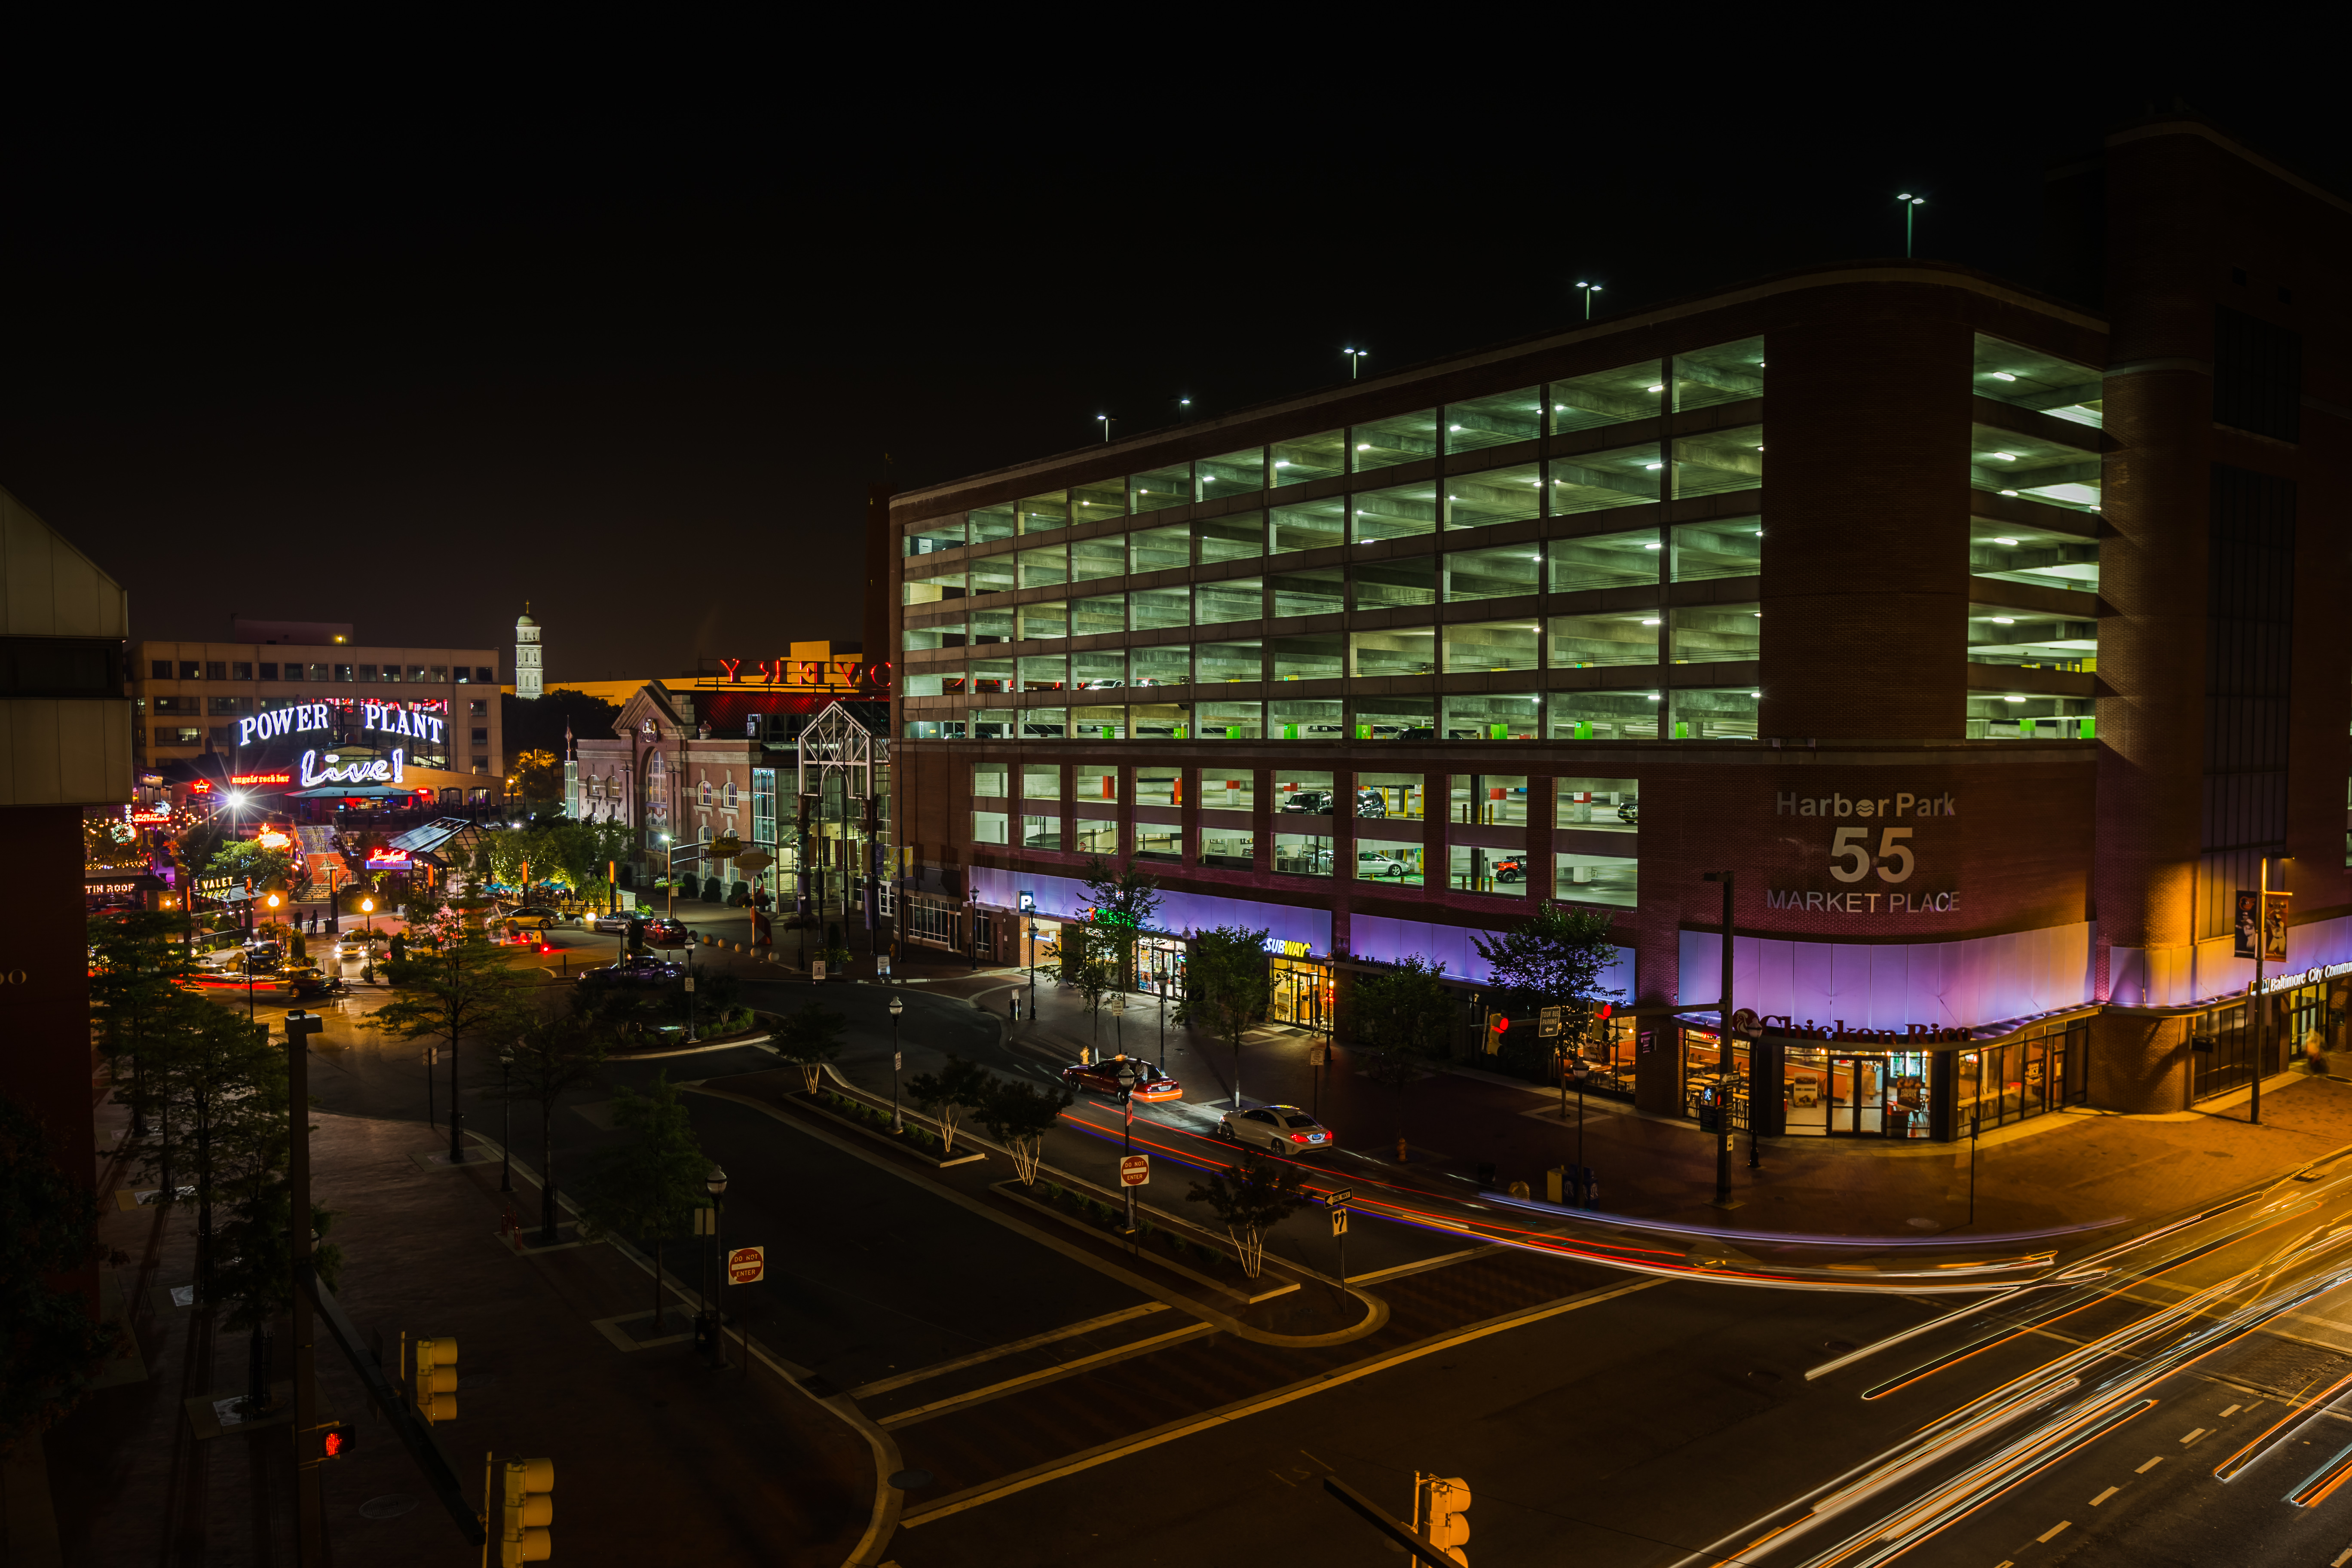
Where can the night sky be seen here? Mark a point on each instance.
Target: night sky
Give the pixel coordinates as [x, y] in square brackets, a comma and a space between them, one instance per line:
[633, 349]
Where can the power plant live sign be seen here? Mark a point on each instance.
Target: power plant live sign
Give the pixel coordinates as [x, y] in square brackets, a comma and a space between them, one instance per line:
[746, 1264]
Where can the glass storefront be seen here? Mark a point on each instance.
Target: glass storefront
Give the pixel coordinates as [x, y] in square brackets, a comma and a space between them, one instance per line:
[1606, 1052]
[1838, 1094]
[1159, 966]
[1302, 992]
[2010, 1080]
[1705, 1091]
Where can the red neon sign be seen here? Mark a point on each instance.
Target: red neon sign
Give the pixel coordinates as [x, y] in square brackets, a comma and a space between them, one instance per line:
[833, 673]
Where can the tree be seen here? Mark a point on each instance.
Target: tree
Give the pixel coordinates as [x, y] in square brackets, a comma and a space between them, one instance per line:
[809, 1038]
[464, 989]
[52, 1350]
[650, 1186]
[224, 1083]
[136, 964]
[552, 1058]
[958, 1086]
[1126, 902]
[246, 857]
[1094, 978]
[1227, 987]
[538, 774]
[1018, 1115]
[1402, 1014]
[1554, 958]
[1252, 1198]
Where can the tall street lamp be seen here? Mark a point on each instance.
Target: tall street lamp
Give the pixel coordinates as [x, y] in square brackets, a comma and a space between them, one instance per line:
[690, 939]
[1590, 289]
[1105, 420]
[715, 1183]
[2261, 1003]
[897, 1006]
[1723, 1058]
[1356, 358]
[506, 1120]
[1911, 206]
[1125, 1075]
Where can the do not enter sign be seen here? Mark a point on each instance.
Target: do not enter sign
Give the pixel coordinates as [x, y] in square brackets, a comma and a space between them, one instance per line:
[746, 1264]
[1134, 1170]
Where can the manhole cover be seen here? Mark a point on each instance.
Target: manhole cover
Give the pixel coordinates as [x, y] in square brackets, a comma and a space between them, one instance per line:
[391, 1506]
[1920, 1224]
[911, 1480]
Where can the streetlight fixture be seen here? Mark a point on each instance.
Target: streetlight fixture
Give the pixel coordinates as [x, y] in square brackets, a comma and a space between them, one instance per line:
[1590, 290]
[1105, 421]
[506, 1120]
[2261, 1003]
[1911, 206]
[691, 940]
[1724, 1075]
[1356, 358]
[1125, 1075]
[897, 1006]
[714, 1182]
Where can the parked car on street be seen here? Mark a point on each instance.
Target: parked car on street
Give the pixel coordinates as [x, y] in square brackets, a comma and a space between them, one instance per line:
[663, 932]
[1277, 1128]
[1101, 1078]
[618, 921]
[533, 917]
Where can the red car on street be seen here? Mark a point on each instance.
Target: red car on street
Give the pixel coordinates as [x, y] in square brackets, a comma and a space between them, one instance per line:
[663, 932]
[1152, 1083]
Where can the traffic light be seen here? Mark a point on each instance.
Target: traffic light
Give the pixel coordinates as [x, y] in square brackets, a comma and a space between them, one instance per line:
[335, 1440]
[1446, 1501]
[528, 1509]
[436, 1385]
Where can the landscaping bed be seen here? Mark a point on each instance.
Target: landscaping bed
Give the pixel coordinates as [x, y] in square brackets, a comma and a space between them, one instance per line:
[917, 1141]
[1166, 1245]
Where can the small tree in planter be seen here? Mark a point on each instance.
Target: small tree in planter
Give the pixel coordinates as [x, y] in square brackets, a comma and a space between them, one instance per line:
[1019, 1115]
[1094, 978]
[947, 1094]
[1227, 988]
[651, 1186]
[810, 1038]
[1251, 1199]
[1404, 1014]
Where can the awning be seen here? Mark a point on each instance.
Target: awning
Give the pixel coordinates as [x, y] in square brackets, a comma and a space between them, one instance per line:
[355, 791]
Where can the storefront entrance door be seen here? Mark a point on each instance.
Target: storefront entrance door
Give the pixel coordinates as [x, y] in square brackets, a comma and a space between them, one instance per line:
[1857, 1097]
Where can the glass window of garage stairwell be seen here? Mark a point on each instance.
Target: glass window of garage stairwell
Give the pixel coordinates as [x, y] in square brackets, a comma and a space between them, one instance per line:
[1544, 510]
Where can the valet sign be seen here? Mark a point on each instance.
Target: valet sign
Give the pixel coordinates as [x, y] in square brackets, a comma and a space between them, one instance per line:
[1873, 863]
[304, 717]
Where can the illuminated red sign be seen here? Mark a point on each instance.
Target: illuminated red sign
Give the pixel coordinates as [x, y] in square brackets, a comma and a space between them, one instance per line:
[202, 786]
[825, 673]
[260, 778]
[389, 861]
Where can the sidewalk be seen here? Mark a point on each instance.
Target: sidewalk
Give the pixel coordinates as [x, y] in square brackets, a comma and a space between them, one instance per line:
[2077, 1168]
[657, 1457]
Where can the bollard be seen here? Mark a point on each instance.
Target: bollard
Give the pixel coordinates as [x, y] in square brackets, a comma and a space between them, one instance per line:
[1555, 1184]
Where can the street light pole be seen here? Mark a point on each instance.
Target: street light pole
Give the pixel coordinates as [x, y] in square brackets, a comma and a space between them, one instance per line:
[1723, 1058]
[715, 1183]
[2261, 1001]
[1590, 290]
[506, 1120]
[456, 1107]
[311, 1539]
[1125, 1078]
[1356, 358]
[897, 1006]
[1911, 206]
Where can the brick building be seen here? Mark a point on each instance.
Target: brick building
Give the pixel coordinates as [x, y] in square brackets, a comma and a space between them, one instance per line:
[1983, 631]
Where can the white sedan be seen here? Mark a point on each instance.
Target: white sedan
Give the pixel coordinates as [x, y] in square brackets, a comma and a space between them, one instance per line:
[1277, 1128]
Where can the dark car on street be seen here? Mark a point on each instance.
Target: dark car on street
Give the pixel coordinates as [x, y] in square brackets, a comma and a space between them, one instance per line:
[663, 932]
[634, 972]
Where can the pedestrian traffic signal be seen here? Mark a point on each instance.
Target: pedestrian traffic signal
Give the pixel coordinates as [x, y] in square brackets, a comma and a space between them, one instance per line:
[436, 1384]
[527, 1509]
[1447, 1501]
[335, 1440]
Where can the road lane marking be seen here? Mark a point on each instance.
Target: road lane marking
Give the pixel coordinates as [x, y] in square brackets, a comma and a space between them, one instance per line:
[2193, 1437]
[1054, 1470]
[883, 1385]
[2047, 1535]
[1048, 1374]
[2149, 1465]
[2105, 1496]
[2342, 1558]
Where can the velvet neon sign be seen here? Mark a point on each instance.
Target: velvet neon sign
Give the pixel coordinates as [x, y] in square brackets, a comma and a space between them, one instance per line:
[832, 673]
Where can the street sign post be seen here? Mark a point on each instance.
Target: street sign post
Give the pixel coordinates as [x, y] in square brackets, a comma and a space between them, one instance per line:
[1338, 1198]
[1134, 1170]
[1339, 1227]
[1547, 1022]
[746, 1264]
